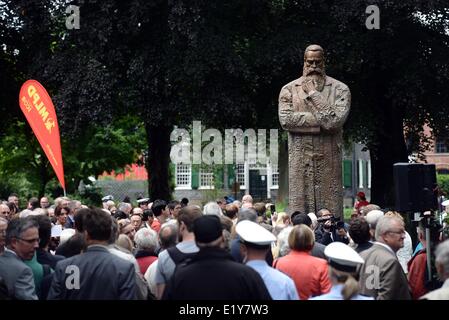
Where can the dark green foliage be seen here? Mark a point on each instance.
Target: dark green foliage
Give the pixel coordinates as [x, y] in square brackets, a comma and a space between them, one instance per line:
[224, 62]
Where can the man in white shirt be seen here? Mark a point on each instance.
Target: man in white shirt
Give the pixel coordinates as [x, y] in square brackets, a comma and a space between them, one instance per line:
[168, 259]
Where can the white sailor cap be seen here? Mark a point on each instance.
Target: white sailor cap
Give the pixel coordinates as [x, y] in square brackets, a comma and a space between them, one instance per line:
[107, 198]
[143, 200]
[445, 203]
[253, 233]
[342, 257]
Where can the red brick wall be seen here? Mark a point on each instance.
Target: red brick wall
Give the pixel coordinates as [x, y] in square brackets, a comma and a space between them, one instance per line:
[441, 160]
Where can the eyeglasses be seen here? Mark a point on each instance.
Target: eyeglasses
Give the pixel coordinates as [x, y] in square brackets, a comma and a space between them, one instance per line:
[402, 232]
[30, 241]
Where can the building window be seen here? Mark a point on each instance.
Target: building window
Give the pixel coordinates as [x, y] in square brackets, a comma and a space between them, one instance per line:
[443, 171]
[442, 146]
[206, 178]
[183, 176]
[240, 174]
[274, 176]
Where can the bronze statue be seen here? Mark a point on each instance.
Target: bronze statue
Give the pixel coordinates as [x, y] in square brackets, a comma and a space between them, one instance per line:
[313, 110]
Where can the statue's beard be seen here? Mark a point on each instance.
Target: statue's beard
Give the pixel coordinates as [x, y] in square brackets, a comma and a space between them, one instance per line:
[317, 75]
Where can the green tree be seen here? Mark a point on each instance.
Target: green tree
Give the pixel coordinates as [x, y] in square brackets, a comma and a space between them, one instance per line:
[98, 149]
[224, 62]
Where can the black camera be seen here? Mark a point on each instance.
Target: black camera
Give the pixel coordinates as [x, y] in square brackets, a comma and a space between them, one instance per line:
[336, 224]
[326, 218]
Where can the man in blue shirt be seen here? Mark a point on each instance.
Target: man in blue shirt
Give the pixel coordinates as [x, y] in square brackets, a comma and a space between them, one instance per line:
[255, 243]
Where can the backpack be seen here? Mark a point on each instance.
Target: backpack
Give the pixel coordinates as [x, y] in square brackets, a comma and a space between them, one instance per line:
[178, 256]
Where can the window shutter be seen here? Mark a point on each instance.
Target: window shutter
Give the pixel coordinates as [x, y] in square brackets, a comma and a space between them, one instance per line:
[218, 177]
[195, 176]
[231, 175]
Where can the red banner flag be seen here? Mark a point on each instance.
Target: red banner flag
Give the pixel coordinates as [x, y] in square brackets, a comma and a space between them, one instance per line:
[38, 108]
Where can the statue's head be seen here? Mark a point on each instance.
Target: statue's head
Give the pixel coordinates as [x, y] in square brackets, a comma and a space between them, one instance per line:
[314, 60]
[314, 65]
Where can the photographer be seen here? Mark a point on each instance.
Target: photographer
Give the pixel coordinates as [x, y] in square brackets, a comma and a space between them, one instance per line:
[417, 267]
[330, 229]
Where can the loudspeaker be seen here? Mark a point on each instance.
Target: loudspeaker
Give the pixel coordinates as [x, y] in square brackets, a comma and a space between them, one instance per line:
[415, 186]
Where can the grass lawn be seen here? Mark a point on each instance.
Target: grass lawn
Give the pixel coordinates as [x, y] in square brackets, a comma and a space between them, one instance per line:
[347, 213]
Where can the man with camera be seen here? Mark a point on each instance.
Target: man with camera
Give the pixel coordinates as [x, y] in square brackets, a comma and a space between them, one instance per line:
[330, 229]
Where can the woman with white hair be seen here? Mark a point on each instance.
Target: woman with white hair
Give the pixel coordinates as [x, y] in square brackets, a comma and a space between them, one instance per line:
[282, 248]
[146, 244]
[212, 208]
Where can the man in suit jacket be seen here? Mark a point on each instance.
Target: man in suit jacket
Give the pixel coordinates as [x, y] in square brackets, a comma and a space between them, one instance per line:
[22, 239]
[95, 274]
[382, 276]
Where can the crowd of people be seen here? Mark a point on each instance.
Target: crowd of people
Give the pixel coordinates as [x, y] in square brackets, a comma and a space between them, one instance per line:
[227, 249]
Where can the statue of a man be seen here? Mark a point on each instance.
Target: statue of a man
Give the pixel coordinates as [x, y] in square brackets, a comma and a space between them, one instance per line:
[313, 110]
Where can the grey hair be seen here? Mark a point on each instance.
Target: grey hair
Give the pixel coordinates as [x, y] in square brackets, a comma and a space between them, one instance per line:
[18, 226]
[146, 239]
[314, 47]
[284, 248]
[212, 208]
[373, 218]
[124, 206]
[170, 239]
[384, 225]
[442, 256]
[247, 214]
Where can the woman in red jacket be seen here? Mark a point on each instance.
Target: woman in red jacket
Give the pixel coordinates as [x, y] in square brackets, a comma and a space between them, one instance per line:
[310, 274]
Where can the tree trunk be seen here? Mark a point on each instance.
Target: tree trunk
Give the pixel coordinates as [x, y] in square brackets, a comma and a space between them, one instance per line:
[389, 149]
[158, 161]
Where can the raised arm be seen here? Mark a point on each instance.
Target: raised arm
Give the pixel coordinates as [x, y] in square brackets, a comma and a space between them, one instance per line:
[331, 116]
[290, 119]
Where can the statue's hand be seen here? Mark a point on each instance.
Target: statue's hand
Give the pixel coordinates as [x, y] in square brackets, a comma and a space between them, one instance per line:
[308, 86]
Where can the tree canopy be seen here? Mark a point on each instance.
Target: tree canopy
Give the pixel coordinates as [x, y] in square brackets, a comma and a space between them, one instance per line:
[224, 62]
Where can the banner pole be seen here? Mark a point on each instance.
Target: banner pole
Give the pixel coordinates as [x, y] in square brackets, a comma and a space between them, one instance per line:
[65, 195]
